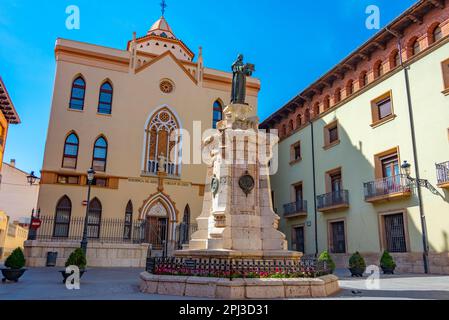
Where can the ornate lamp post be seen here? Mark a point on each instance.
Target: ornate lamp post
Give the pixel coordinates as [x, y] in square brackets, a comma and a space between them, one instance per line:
[31, 179]
[90, 179]
[406, 170]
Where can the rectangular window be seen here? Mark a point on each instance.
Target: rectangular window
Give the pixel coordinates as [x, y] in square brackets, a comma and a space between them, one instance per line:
[295, 152]
[445, 67]
[335, 181]
[331, 137]
[395, 233]
[68, 179]
[390, 166]
[100, 182]
[382, 109]
[298, 193]
[333, 134]
[338, 237]
[298, 239]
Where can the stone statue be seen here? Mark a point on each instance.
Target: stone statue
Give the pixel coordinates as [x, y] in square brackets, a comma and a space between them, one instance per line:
[161, 167]
[240, 72]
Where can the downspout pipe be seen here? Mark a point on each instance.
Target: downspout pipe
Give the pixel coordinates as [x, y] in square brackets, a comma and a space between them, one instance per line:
[314, 189]
[415, 157]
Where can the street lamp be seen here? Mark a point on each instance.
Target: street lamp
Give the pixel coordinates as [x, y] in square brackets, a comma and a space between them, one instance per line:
[90, 179]
[31, 178]
[406, 170]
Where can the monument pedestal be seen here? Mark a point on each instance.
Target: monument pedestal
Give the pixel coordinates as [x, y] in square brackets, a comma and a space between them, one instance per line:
[238, 220]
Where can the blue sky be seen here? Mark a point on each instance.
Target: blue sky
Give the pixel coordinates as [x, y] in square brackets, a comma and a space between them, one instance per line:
[291, 42]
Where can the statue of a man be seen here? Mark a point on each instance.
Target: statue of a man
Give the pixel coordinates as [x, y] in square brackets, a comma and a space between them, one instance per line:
[240, 72]
[161, 163]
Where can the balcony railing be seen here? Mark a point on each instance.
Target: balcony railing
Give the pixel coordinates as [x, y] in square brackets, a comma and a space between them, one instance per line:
[383, 188]
[333, 200]
[169, 167]
[295, 208]
[443, 173]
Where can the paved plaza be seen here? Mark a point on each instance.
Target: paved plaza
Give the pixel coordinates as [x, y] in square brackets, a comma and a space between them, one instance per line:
[123, 284]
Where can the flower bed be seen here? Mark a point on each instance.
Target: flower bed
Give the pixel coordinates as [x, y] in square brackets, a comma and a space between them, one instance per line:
[250, 273]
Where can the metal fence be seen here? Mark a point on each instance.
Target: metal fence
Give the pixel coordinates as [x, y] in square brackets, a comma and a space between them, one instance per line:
[443, 172]
[109, 230]
[237, 268]
[295, 208]
[389, 185]
[340, 197]
[113, 231]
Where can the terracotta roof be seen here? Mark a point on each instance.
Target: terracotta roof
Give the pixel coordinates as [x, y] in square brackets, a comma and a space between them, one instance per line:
[6, 105]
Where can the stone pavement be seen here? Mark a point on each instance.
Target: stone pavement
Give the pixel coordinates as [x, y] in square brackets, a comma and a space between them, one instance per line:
[123, 284]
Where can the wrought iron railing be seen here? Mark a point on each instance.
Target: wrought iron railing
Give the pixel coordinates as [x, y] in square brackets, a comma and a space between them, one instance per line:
[340, 197]
[442, 172]
[110, 230]
[237, 268]
[390, 185]
[294, 208]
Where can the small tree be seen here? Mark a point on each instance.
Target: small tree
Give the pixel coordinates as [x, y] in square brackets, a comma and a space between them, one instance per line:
[77, 258]
[326, 257]
[387, 261]
[356, 261]
[16, 260]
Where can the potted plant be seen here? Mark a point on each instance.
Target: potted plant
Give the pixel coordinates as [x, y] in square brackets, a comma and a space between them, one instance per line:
[76, 258]
[357, 265]
[387, 263]
[326, 258]
[14, 264]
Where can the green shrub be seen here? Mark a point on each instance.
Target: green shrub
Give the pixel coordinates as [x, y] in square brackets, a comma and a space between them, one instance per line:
[16, 260]
[357, 261]
[387, 261]
[325, 256]
[77, 258]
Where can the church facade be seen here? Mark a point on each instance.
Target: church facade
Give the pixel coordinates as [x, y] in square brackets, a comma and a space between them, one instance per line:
[122, 112]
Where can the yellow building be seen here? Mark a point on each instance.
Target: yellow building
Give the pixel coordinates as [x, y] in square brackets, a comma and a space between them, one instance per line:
[120, 112]
[340, 186]
[12, 236]
[8, 115]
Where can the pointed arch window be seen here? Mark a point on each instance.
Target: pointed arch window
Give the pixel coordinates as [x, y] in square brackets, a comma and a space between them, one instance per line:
[163, 142]
[78, 94]
[217, 114]
[94, 219]
[61, 226]
[71, 147]
[105, 100]
[100, 154]
[185, 227]
[127, 232]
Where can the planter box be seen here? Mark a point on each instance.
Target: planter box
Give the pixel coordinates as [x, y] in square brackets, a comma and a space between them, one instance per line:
[238, 289]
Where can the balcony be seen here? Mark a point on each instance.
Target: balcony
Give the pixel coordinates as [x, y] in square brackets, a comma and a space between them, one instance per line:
[390, 188]
[295, 209]
[333, 201]
[170, 168]
[443, 174]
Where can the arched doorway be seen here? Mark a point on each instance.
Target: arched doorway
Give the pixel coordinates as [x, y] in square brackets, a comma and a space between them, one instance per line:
[157, 226]
[159, 214]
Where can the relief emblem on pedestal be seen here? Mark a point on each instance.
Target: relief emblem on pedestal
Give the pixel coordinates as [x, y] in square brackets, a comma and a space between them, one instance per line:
[214, 185]
[246, 183]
